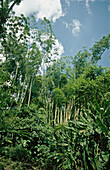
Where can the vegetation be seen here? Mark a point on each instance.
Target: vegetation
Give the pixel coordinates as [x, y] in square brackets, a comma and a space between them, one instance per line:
[56, 120]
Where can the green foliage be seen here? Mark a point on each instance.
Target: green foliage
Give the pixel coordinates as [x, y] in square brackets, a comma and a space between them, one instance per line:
[99, 48]
[93, 132]
[63, 80]
[80, 62]
[58, 97]
[5, 9]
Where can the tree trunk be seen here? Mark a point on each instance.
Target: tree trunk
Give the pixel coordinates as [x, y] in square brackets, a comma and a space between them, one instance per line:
[55, 115]
[18, 96]
[65, 113]
[61, 121]
[58, 116]
[30, 93]
[16, 73]
[23, 93]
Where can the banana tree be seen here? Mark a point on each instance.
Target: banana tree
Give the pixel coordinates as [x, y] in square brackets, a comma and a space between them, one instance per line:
[90, 136]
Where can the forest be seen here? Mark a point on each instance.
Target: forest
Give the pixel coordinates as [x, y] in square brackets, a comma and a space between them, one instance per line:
[54, 114]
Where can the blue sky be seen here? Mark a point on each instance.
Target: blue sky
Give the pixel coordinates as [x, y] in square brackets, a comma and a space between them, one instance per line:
[76, 23]
[94, 24]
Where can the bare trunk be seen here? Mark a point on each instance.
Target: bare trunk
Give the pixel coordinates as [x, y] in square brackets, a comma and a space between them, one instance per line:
[76, 113]
[55, 115]
[22, 99]
[24, 90]
[58, 116]
[65, 114]
[61, 121]
[70, 110]
[16, 73]
[49, 110]
[30, 93]
[18, 95]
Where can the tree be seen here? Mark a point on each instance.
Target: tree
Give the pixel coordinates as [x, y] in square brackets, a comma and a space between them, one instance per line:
[59, 101]
[21, 50]
[5, 9]
[99, 48]
[80, 62]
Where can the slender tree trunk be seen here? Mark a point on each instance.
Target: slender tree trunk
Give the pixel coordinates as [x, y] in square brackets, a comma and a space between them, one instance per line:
[65, 113]
[18, 95]
[30, 93]
[76, 113]
[61, 121]
[55, 115]
[70, 110]
[22, 99]
[58, 116]
[66, 117]
[17, 65]
[51, 111]
[75, 110]
[24, 90]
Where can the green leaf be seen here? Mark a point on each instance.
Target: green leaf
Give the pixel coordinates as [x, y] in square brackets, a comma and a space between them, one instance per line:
[102, 125]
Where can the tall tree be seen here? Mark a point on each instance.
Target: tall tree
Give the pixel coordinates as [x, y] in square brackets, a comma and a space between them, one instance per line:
[99, 48]
[5, 9]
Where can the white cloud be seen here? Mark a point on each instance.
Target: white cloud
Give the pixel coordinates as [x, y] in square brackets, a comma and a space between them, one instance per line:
[88, 6]
[67, 25]
[60, 50]
[67, 2]
[51, 9]
[109, 8]
[74, 26]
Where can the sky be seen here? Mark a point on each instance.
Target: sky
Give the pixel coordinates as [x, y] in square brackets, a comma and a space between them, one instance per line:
[76, 23]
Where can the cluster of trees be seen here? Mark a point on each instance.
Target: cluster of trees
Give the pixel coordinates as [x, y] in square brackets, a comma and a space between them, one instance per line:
[58, 120]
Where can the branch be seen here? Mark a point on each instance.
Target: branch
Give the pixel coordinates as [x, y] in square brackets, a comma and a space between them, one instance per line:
[12, 6]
